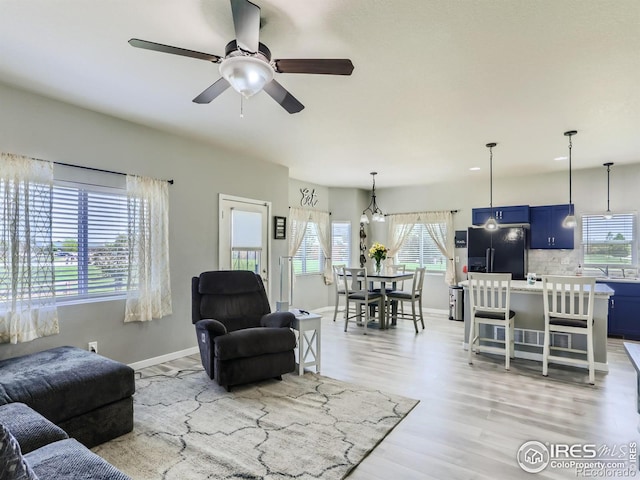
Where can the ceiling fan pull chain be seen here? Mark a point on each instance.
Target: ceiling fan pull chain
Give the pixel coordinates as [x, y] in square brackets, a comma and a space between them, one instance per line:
[241, 106]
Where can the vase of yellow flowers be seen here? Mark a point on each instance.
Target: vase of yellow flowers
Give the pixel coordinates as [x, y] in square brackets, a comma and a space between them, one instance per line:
[378, 253]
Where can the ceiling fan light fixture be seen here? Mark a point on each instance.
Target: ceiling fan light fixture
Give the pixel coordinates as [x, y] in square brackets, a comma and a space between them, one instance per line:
[247, 75]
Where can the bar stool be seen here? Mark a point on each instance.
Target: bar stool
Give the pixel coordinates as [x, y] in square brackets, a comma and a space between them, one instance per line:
[568, 308]
[489, 297]
[359, 294]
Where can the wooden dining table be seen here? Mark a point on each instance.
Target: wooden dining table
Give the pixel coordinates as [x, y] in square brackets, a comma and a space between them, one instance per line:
[384, 279]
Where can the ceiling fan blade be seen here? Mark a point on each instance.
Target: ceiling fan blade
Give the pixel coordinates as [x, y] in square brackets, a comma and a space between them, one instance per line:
[159, 47]
[246, 21]
[337, 66]
[212, 92]
[283, 97]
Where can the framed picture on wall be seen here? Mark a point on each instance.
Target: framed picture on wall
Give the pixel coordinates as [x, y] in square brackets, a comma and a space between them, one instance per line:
[279, 228]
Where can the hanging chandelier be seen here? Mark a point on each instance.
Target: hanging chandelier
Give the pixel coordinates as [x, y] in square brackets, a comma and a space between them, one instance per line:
[570, 220]
[608, 215]
[372, 208]
[491, 223]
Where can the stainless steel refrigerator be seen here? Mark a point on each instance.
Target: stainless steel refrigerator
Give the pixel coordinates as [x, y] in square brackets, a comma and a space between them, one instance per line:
[503, 250]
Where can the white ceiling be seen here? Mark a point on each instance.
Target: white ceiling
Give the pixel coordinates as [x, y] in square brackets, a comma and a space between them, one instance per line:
[434, 80]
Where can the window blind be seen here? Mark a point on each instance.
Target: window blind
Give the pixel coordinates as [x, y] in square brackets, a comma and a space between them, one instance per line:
[341, 243]
[609, 241]
[419, 250]
[90, 240]
[309, 257]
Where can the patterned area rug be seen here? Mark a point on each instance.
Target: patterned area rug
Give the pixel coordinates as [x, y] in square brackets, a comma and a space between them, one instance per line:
[309, 427]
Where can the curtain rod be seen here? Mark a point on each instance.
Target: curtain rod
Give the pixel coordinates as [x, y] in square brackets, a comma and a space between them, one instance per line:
[310, 209]
[170, 182]
[416, 213]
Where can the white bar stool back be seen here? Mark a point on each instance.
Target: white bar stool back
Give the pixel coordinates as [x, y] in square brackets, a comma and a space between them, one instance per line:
[568, 308]
[489, 297]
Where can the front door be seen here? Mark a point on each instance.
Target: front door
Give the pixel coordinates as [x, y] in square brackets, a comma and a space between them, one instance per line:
[244, 235]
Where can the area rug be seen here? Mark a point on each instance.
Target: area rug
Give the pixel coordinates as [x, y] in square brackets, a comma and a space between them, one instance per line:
[186, 427]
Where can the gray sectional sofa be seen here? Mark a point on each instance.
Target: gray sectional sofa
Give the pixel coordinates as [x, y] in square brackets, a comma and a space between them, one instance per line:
[49, 396]
[31, 448]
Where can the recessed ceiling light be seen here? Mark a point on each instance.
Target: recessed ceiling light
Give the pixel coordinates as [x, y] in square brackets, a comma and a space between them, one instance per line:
[557, 159]
[474, 169]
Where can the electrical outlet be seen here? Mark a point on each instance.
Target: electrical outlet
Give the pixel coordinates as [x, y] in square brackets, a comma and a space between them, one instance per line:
[457, 259]
[93, 347]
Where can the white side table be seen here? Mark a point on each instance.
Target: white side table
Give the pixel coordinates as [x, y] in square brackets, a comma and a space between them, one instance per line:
[308, 328]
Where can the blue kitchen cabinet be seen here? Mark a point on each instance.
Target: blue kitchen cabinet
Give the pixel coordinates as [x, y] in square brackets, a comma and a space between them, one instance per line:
[547, 231]
[505, 215]
[624, 306]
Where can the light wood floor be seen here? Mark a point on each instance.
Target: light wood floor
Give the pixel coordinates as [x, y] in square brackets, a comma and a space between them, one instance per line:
[471, 420]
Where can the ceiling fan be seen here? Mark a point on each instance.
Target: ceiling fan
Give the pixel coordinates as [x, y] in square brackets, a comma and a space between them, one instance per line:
[247, 65]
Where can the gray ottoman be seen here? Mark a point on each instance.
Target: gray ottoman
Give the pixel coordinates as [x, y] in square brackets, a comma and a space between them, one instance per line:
[85, 394]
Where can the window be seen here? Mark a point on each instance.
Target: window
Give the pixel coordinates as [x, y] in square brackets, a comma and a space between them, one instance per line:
[419, 250]
[609, 242]
[309, 258]
[341, 243]
[90, 240]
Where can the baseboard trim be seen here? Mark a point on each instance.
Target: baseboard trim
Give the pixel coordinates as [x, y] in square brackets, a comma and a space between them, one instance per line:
[599, 366]
[164, 358]
[436, 311]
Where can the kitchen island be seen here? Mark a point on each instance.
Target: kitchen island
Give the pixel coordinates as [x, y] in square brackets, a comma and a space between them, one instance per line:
[527, 303]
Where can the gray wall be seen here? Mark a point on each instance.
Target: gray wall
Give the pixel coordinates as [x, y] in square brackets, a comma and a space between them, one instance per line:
[589, 196]
[42, 128]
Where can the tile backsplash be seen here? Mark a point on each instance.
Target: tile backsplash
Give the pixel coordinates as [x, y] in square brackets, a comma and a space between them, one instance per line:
[553, 262]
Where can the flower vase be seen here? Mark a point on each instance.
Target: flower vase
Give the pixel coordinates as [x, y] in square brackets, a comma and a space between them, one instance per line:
[378, 267]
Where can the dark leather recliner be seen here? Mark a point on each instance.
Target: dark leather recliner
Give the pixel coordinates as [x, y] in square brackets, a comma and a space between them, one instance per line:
[240, 340]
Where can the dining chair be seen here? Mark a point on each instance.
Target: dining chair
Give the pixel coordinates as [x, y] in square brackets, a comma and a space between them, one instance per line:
[414, 296]
[357, 293]
[489, 298]
[568, 308]
[340, 289]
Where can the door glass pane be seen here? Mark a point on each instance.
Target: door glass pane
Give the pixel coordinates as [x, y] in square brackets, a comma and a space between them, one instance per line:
[246, 229]
[246, 240]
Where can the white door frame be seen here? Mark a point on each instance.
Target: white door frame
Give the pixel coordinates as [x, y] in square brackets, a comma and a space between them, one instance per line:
[224, 233]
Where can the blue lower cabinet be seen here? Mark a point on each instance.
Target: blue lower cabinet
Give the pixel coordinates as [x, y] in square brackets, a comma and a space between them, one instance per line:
[624, 311]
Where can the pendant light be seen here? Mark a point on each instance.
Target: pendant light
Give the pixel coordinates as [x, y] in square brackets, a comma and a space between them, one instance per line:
[570, 220]
[608, 215]
[491, 223]
[376, 213]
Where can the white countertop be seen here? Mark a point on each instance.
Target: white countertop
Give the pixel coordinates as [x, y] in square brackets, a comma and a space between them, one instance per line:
[521, 286]
[617, 280]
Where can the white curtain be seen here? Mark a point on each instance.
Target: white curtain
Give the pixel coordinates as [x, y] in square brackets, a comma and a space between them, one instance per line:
[323, 223]
[400, 226]
[298, 220]
[148, 285]
[27, 288]
[439, 225]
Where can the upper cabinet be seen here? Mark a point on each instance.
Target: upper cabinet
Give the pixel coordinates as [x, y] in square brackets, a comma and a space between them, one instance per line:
[547, 231]
[505, 215]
